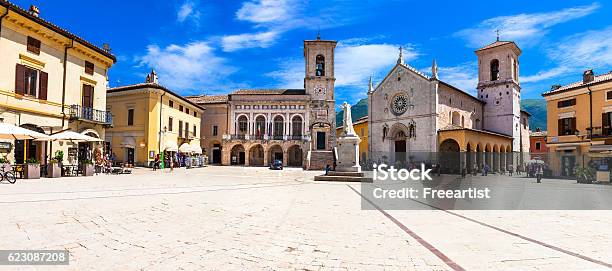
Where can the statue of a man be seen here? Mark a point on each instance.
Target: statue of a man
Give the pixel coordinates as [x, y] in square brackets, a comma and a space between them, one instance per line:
[347, 127]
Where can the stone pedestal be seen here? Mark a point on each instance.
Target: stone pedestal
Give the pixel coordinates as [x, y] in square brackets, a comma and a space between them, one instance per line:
[348, 154]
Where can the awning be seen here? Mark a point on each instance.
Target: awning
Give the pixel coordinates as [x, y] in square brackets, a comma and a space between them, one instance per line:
[71, 136]
[171, 146]
[10, 131]
[128, 142]
[185, 148]
[196, 149]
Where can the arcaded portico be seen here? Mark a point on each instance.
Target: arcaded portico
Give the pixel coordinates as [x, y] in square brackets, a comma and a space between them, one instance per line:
[474, 147]
[261, 153]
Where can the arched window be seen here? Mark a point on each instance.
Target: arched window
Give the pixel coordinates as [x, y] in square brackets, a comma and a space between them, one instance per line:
[279, 127]
[296, 126]
[260, 127]
[243, 125]
[320, 65]
[494, 69]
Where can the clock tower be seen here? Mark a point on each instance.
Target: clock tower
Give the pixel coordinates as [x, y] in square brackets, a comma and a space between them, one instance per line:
[319, 85]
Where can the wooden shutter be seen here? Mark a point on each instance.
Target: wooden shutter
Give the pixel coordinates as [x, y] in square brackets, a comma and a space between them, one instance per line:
[20, 79]
[42, 88]
[573, 125]
[87, 96]
[560, 126]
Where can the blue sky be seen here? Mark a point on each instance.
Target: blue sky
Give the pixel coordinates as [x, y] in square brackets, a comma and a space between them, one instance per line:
[216, 46]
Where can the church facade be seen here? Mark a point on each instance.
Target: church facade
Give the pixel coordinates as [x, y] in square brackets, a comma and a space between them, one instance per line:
[416, 117]
[296, 126]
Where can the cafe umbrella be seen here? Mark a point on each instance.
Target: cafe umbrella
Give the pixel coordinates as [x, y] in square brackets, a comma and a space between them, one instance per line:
[12, 132]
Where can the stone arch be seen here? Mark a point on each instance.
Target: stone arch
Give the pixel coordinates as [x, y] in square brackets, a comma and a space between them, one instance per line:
[297, 128]
[397, 130]
[294, 156]
[278, 126]
[238, 155]
[450, 156]
[91, 132]
[256, 155]
[275, 152]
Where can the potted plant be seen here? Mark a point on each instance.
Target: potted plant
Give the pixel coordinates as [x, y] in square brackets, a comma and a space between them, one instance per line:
[32, 169]
[88, 167]
[584, 174]
[54, 168]
[5, 164]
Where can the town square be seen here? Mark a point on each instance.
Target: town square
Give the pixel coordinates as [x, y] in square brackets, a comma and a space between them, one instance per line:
[305, 135]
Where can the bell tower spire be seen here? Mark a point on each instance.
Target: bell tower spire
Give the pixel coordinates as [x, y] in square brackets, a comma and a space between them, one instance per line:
[370, 86]
[434, 70]
[400, 59]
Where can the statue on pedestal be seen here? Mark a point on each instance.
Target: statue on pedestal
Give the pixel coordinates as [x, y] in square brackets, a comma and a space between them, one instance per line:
[347, 120]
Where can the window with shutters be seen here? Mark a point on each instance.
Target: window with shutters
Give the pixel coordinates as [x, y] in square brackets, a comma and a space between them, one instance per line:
[537, 146]
[186, 129]
[567, 126]
[88, 91]
[609, 95]
[181, 108]
[180, 134]
[31, 82]
[187, 110]
[171, 104]
[170, 120]
[194, 131]
[33, 46]
[89, 68]
[215, 130]
[195, 114]
[130, 118]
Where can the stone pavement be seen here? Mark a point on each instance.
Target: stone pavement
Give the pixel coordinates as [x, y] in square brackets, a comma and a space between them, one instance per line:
[232, 218]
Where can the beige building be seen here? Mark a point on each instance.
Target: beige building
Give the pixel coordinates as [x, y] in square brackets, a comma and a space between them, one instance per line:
[214, 124]
[149, 119]
[579, 123]
[295, 126]
[50, 80]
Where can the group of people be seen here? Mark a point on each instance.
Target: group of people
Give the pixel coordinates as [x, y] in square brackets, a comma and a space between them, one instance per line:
[532, 170]
[174, 160]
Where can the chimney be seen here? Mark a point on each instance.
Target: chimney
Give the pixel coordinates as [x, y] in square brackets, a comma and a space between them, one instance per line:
[34, 10]
[555, 87]
[588, 76]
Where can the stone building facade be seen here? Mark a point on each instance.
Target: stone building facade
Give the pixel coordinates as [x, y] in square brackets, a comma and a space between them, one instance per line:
[295, 126]
[214, 124]
[413, 116]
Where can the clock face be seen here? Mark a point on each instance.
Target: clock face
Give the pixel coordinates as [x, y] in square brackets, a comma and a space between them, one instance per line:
[399, 104]
[319, 90]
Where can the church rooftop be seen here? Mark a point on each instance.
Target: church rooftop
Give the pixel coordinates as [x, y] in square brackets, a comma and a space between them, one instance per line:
[208, 99]
[497, 43]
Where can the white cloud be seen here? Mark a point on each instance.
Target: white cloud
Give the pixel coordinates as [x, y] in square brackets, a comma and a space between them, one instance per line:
[187, 10]
[576, 53]
[525, 29]
[232, 43]
[463, 76]
[186, 67]
[265, 11]
[355, 63]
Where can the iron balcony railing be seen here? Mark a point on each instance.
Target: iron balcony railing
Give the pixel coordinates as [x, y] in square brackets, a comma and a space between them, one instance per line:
[87, 113]
[296, 137]
[600, 133]
[238, 136]
[277, 137]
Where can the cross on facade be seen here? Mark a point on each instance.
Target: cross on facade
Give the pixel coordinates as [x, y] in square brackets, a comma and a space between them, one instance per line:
[497, 31]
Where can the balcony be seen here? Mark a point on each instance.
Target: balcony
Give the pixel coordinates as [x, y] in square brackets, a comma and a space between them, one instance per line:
[278, 137]
[78, 112]
[600, 133]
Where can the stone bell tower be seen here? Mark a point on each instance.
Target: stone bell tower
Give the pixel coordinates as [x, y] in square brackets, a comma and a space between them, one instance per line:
[319, 85]
[499, 87]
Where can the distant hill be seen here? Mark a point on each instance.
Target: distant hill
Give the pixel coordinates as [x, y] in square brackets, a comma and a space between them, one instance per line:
[536, 107]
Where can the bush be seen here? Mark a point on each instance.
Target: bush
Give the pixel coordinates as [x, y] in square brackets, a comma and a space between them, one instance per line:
[4, 160]
[59, 155]
[86, 162]
[584, 174]
[32, 161]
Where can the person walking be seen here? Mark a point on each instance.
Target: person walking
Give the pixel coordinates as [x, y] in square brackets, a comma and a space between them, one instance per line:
[156, 162]
[510, 170]
[539, 173]
[486, 169]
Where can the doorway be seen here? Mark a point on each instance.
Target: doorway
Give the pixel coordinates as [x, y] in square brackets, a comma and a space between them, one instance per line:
[129, 156]
[320, 140]
[400, 150]
[216, 154]
[568, 163]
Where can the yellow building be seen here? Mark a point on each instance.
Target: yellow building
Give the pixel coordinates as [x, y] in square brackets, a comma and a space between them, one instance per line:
[50, 80]
[579, 122]
[361, 128]
[149, 119]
